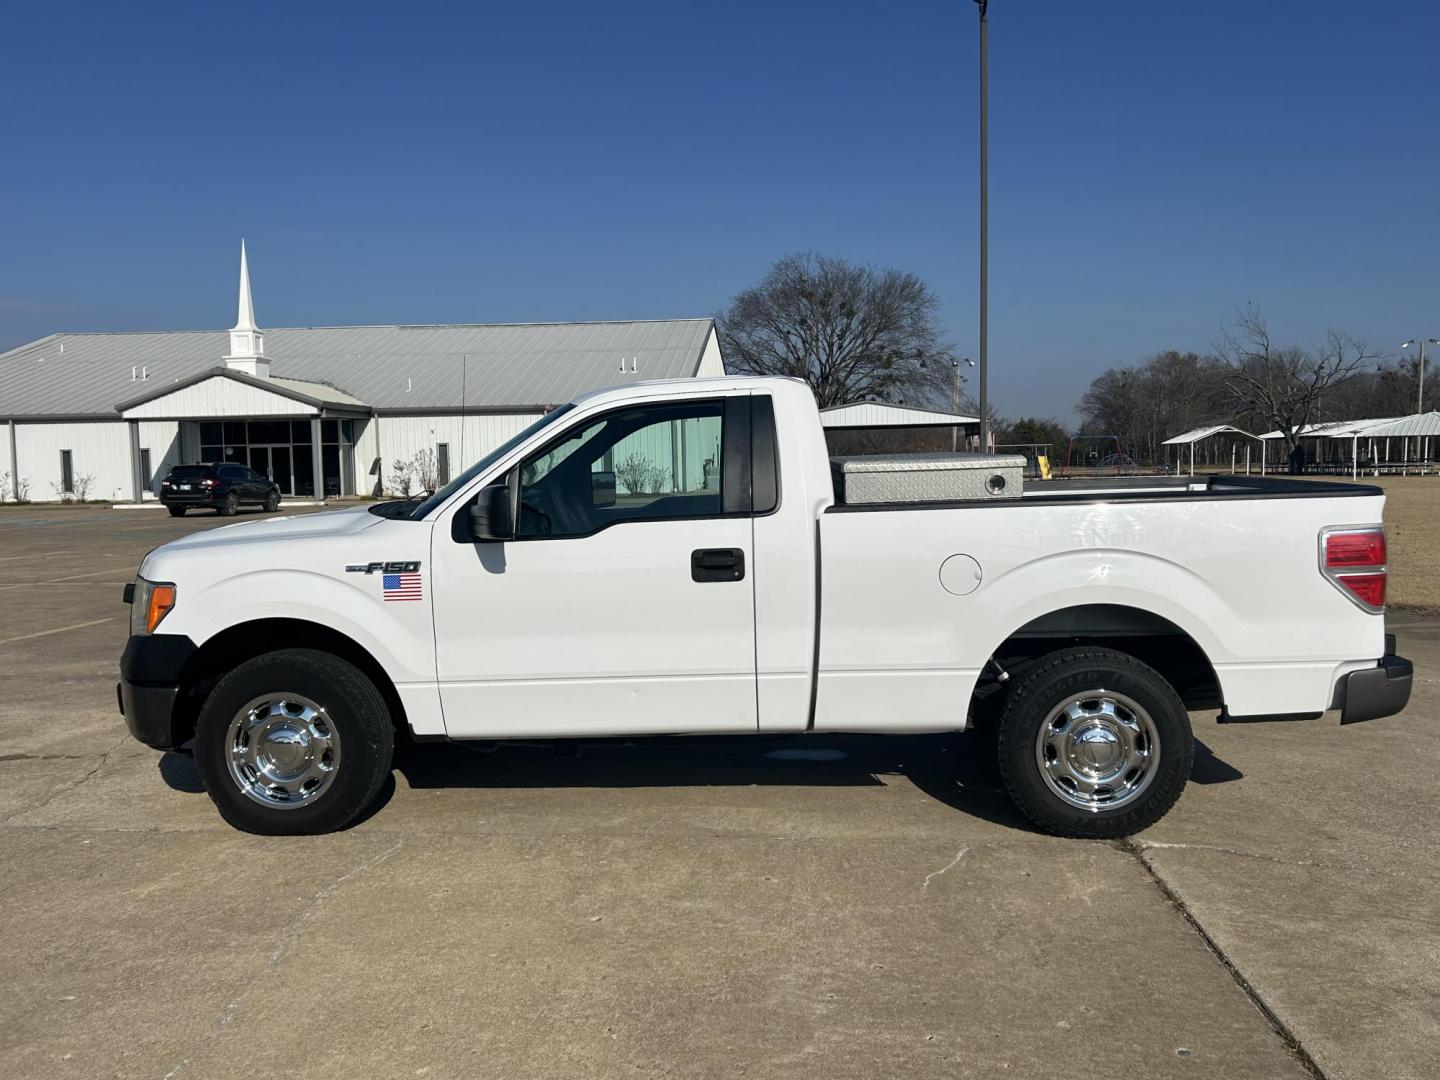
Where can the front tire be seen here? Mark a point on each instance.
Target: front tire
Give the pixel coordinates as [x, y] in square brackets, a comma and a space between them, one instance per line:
[1094, 744]
[294, 742]
[272, 502]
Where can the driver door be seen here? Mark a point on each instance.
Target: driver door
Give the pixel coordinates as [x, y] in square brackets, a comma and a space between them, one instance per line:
[625, 604]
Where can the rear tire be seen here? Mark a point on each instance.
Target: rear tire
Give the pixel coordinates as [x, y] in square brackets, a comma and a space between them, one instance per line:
[1094, 744]
[176, 511]
[294, 742]
[229, 506]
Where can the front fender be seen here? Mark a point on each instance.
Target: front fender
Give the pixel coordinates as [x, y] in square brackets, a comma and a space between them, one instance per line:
[400, 636]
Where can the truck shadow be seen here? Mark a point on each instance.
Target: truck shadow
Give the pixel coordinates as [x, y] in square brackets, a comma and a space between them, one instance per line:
[957, 770]
[953, 769]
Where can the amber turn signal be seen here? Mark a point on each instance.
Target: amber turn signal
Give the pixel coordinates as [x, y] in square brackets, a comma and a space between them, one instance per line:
[162, 599]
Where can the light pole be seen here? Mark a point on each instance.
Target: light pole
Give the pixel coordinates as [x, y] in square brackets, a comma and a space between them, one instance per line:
[1420, 393]
[955, 399]
[984, 228]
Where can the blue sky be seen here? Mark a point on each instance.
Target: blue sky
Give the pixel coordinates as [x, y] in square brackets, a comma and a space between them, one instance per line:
[1154, 165]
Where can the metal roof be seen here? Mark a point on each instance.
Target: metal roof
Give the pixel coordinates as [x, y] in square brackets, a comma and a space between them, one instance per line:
[309, 393]
[875, 414]
[1335, 429]
[1426, 423]
[1197, 434]
[387, 367]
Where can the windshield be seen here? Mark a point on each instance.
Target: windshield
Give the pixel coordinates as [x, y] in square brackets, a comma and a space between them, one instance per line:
[485, 462]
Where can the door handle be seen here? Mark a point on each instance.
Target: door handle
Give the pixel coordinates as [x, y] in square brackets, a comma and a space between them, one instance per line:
[717, 564]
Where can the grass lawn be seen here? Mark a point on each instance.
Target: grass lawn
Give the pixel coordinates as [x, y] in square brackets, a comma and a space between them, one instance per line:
[1412, 533]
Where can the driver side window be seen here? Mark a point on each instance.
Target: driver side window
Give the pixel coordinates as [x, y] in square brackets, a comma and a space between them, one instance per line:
[646, 463]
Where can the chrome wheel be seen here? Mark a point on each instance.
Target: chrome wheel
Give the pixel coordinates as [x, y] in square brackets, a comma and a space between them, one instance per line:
[282, 750]
[1097, 750]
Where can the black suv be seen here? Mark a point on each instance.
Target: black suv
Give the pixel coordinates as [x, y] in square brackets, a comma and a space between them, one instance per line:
[221, 487]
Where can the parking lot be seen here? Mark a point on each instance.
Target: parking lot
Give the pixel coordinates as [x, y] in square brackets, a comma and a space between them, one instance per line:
[827, 907]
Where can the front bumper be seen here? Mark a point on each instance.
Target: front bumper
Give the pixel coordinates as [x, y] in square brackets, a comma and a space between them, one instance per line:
[148, 692]
[1375, 692]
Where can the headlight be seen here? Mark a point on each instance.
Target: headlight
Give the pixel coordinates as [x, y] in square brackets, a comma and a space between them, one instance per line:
[152, 602]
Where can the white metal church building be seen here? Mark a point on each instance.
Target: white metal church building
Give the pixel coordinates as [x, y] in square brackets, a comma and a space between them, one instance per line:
[105, 415]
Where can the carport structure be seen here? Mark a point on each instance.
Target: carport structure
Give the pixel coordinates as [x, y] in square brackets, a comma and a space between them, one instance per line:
[882, 415]
[1376, 434]
[1200, 434]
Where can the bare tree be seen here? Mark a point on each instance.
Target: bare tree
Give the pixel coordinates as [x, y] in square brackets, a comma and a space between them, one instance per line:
[1285, 387]
[423, 464]
[851, 332]
[402, 476]
[1162, 396]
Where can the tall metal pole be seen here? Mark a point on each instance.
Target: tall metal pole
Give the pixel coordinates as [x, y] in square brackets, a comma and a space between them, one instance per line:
[1420, 390]
[984, 229]
[955, 407]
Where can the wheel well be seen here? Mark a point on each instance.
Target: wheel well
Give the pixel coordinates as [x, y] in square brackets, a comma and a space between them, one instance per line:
[1150, 638]
[243, 641]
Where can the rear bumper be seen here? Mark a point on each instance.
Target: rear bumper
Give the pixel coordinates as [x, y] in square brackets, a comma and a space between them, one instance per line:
[148, 692]
[1366, 694]
[1375, 692]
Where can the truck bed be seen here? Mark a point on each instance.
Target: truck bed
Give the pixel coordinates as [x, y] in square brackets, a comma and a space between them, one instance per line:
[1147, 488]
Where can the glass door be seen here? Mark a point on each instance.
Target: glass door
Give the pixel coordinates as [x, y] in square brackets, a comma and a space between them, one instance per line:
[280, 468]
[260, 459]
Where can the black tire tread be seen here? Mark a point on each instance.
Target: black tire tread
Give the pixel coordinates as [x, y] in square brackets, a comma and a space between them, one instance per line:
[1016, 735]
[365, 705]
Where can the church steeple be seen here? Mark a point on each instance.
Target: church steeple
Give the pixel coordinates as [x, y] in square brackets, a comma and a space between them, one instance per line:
[247, 344]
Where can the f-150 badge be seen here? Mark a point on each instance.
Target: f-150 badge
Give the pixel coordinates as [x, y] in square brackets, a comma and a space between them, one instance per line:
[382, 568]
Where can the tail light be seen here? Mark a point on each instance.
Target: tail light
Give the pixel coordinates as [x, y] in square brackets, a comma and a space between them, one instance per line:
[208, 483]
[1353, 560]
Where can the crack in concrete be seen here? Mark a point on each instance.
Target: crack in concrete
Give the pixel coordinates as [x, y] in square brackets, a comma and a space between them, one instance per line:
[925, 885]
[1310, 864]
[90, 774]
[288, 940]
[1136, 850]
[42, 757]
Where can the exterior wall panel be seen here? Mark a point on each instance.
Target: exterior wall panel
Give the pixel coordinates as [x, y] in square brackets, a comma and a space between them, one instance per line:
[470, 439]
[711, 363]
[162, 439]
[219, 397]
[100, 452]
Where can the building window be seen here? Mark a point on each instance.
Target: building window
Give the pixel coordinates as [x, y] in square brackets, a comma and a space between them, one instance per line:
[442, 464]
[67, 472]
[147, 477]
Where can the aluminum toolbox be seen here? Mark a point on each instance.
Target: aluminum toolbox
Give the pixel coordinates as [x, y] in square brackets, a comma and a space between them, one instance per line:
[902, 478]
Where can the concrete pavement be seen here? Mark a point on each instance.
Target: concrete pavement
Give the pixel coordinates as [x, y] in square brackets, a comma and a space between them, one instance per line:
[837, 907]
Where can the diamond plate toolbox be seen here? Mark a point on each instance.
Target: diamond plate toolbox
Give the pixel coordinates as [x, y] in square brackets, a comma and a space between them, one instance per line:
[902, 478]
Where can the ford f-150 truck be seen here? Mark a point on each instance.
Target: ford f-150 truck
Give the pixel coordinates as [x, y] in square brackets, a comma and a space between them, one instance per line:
[679, 558]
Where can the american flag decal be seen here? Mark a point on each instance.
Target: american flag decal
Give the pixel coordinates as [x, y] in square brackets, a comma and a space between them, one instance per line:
[401, 586]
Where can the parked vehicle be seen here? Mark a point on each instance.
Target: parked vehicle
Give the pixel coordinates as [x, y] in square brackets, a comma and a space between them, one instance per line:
[223, 487]
[672, 558]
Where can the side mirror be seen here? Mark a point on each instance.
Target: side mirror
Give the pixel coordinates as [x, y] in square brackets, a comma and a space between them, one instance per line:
[602, 489]
[488, 517]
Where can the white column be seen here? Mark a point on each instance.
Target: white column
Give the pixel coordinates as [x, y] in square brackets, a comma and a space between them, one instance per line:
[137, 482]
[14, 466]
[317, 458]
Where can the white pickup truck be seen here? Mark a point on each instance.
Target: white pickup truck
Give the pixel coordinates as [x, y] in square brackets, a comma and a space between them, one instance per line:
[722, 586]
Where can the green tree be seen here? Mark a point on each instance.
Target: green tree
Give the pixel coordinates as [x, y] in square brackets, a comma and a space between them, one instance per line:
[1032, 430]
